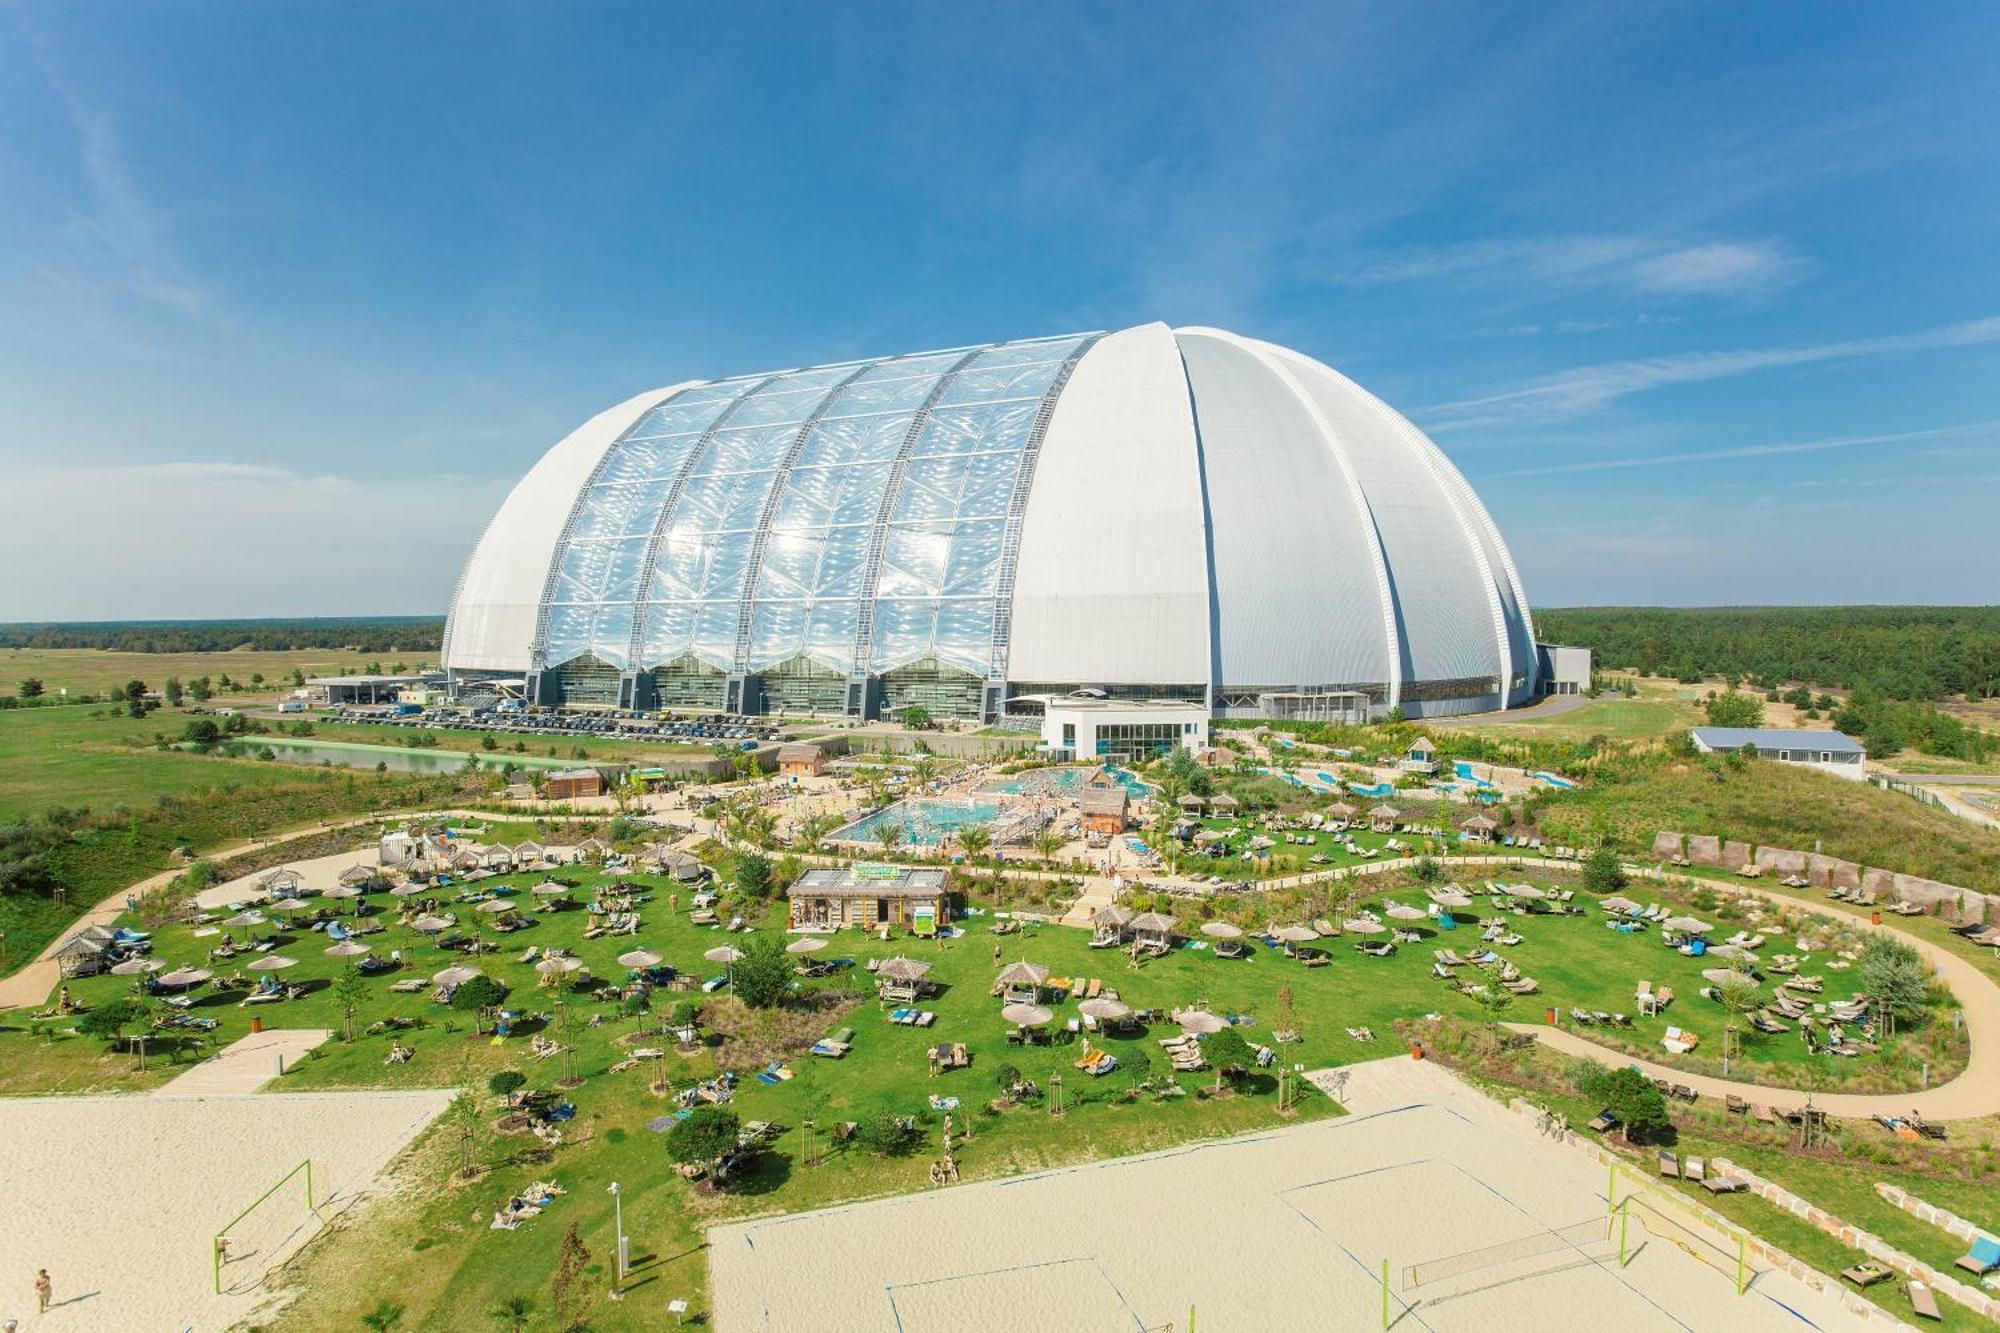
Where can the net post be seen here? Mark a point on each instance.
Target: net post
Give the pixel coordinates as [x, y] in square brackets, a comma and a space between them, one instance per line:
[1385, 1293]
[1741, 1263]
[1624, 1219]
[310, 1205]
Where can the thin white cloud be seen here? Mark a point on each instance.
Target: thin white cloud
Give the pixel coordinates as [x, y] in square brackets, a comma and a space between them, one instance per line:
[1573, 393]
[1635, 264]
[1763, 450]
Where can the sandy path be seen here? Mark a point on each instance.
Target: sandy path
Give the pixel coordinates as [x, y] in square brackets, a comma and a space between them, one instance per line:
[246, 1064]
[1283, 1229]
[120, 1197]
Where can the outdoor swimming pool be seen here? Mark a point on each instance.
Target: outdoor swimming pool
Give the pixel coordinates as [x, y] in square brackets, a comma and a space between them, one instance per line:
[926, 820]
[1062, 782]
[1379, 789]
[1464, 770]
[1553, 780]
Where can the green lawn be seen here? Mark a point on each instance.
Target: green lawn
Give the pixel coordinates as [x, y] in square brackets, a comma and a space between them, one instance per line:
[1618, 718]
[93, 670]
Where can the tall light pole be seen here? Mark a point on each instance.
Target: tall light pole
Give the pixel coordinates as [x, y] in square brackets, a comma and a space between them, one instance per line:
[618, 1204]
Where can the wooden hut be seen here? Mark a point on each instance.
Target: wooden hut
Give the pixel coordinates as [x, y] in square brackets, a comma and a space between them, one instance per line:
[870, 896]
[1192, 803]
[85, 953]
[593, 849]
[362, 877]
[281, 883]
[1153, 932]
[1340, 815]
[1383, 818]
[499, 858]
[570, 783]
[903, 980]
[1021, 983]
[1421, 757]
[529, 853]
[1108, 925]
[1480, 828]
[683, 867]
[1103, 806]
[1225, 804]
[801, 759]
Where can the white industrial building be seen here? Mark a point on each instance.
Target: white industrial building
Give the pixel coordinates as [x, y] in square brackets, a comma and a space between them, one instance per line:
[1154, 513]
[1087, 727]
[1829, 751]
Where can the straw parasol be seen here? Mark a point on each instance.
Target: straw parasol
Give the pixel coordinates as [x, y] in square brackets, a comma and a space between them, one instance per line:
[289, 905]
[903, 969]
[409, 888]
[1200, 1021]
[271, 962]
[1022, 974]
[550, 967]
[1451, 898]
[1619, 904]
[342, 891]
[1295, 934]
[1733, 952]
[548, 888]
[185, 976]
[1221, 930]
[1523, 891]
[1027, 1015]
[1364, 925]
[639, 958]
[133, 967]
[347, 949]
[724, 953]
[1105, 1009]
[806, 944]
[456, 975]
[1689, 925]
[1405, 912]
[1726, 976]
[430, 925]
[248, 919]
[495, 905]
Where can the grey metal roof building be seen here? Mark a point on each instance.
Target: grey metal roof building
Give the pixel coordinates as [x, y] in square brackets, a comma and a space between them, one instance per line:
[1777, 738]
[1156, 512]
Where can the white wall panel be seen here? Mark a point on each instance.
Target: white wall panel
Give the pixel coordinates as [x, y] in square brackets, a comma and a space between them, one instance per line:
[1112, 580]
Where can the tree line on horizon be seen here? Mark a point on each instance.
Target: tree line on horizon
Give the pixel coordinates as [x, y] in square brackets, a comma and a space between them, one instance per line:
[1911, 653]
[367, 634]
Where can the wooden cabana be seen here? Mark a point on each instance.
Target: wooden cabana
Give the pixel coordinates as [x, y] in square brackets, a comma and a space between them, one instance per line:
[362, 877]
[1341, 813]
[281, 882]
[498, 857]
[85, 953]
[1153, 932]
[1021, 983]
[529, 853]
[1190, 801]
[1103, 807]
[903, 980]
[1108, 925]
[1225, 804]
[1383, 818]
[593, 849]
[468, 858]
[1480, 828]
[683, 867]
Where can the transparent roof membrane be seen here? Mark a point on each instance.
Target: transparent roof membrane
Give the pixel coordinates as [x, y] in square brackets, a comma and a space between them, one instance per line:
[750, 521]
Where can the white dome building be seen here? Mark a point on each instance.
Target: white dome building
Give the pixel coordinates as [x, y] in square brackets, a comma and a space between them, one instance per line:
[1154, 513]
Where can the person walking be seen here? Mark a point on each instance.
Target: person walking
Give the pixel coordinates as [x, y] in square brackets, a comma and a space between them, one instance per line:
[44, 1291]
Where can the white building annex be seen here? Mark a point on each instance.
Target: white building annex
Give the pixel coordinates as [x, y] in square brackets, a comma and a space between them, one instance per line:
[1152, 513]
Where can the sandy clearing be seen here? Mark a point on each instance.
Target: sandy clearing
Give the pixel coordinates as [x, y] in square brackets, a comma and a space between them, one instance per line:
[119, 1197]
[246, 1064]
[1272, 1230]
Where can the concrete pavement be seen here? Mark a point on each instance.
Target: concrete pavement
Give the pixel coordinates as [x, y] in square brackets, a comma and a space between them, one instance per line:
[246, 1064]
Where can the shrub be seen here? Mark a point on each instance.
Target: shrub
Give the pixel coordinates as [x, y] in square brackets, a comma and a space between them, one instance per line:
[506, 1082]
[763, 976]
[886, 1134]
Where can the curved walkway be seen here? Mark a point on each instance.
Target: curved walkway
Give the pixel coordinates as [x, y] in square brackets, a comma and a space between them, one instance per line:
[1974, 1093]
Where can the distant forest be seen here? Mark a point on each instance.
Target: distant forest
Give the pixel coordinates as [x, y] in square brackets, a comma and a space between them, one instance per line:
[1899, 652]
[368, 634]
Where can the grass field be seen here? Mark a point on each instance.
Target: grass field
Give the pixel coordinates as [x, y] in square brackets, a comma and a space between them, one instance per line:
[98, 671]
[432, 1257]
[594, 747]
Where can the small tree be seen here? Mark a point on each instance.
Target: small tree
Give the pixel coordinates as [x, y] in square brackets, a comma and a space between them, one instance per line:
[1229, 1053]
[917, 717]
[763, 975]
[886, 1134]
[1892, 973]
[506, 1082]
[1138, 1066]
[1631, 1097]
[753, 874]
[386, 1315]
[476, 996]
[351, 989]
[108, 1021]
[31, 688]
[567, 1290]
[1007, 1078]
[704, 1138]
[1730, 709]
[512, 1313]
[1603, 872]
[1428, 870]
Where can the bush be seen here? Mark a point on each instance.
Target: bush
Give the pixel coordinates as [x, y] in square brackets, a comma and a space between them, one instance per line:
[1631, 1096]
[506, 1082]
[753, 874]
[704, 1137]
[886, 1134]
[763, 976]
[1603, 872]
[1006, 1078]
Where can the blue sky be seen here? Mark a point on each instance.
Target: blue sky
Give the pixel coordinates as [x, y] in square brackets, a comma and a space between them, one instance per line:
[1703, 299]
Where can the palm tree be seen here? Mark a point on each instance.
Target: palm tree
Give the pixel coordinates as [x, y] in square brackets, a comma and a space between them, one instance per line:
[384, 1317]
[974, 839]
[814, 830]
[513, 1312]
[889, 834]
[1048, 842]
[925, 767]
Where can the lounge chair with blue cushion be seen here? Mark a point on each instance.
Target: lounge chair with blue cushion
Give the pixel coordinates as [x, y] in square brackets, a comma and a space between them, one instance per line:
[1983, 1258]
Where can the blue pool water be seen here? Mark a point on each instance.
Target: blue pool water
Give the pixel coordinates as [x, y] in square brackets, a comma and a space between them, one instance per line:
[1464, 771]
[1553, 780]
[1063, 781]
[926, 820]
[1379, 789]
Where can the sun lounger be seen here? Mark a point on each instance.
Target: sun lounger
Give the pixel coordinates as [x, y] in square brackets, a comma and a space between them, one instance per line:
[1983, 1258]
[1670, 1164]
[1723, 1185]
[1604, 1122]
[1923, 1302]
[1866, 1275]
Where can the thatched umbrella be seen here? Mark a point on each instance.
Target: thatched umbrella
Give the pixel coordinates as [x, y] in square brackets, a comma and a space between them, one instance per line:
[1027, 1015]
[496, 905]
[1405, 912]
[1624, 906]
[1022, 974]
[1725, 976]
[1295, 934]
[554, 967]
[271, 962]
[342, 891]
[1451, 898]
[903, 969]
[1111, 914]
[548, 888]
[1688, 925]
[347, 949]
[133, 967]
[409, 888]
[724, 953]
[431, 925]
[456, 975]
[1523, 891]
[806, 944]
[1364, 925]
[184, 976]
[1200, 1021]
[248, 919]
[288, 905]
[639, 959]
[1221, 930]
[1734, 952]
[1106, 1010]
